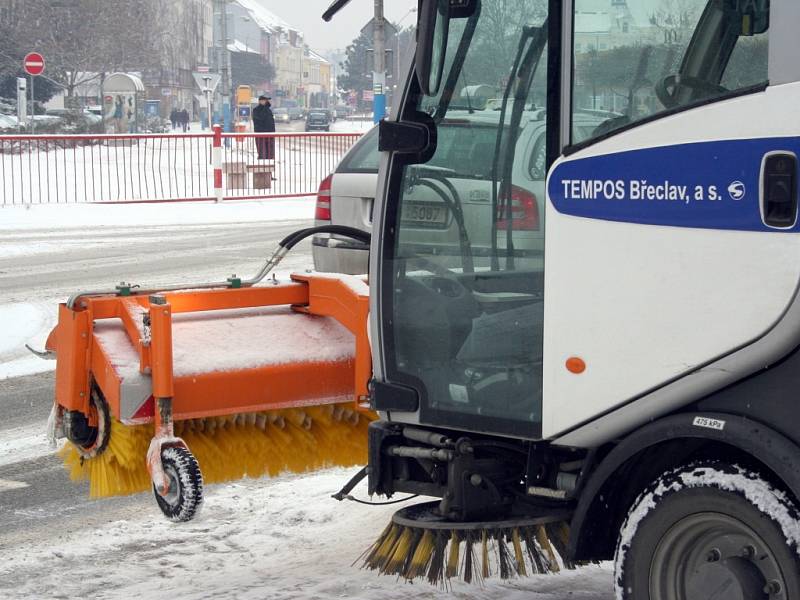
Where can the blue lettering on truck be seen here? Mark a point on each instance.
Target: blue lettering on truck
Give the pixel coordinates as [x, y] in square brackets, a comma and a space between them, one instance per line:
[710, 185]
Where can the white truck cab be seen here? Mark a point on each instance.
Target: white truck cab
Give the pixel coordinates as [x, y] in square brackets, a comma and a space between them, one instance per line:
[642, 373]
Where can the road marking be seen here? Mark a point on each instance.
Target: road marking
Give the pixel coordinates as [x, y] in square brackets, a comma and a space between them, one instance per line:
[7, 485]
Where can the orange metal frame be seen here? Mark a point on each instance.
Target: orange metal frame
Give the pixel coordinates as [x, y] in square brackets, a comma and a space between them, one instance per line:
[81, 359]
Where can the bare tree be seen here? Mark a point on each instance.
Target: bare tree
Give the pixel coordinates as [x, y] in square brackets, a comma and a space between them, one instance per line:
[497, 39]
[81, 38]
[676, 19]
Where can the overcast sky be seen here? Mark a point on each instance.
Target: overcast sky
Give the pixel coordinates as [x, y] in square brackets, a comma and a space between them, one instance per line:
[307, 16]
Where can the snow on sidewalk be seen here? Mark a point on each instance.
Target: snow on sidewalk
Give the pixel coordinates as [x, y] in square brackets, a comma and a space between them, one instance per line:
[352, 126]
[277, 539]
[58, 217]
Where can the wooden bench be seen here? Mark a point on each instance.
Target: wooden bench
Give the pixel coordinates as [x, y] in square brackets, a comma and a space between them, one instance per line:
[262, 176]
[235, 175]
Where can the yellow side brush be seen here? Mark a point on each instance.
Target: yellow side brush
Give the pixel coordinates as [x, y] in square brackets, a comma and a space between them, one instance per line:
[418, 544]
[229, 448]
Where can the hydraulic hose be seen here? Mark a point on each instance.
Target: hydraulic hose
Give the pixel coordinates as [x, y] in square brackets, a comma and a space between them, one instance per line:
[294, 238]
[284, 246]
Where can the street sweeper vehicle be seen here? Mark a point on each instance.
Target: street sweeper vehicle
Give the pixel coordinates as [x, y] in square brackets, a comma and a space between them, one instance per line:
[591, 353]
[627, 387]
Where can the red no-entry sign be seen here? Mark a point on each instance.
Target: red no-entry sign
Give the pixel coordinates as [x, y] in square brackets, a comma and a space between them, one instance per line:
[33, 64]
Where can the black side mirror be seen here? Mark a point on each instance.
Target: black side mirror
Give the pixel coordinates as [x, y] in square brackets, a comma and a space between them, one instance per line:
[434, 27]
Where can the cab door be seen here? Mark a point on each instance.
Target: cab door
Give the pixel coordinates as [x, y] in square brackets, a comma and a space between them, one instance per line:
[457, 296]
[672, 232]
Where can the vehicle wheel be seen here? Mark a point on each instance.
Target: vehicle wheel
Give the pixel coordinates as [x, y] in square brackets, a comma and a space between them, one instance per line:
[185, 494]
[88, 440]
[709, 531]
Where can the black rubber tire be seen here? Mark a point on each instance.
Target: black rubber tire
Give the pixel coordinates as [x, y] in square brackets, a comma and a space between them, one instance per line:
[89, 441]
[186, 497]
[708, 494]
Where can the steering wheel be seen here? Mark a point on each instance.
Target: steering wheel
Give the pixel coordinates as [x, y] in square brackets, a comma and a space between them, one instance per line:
[667, 89]
[445, 283]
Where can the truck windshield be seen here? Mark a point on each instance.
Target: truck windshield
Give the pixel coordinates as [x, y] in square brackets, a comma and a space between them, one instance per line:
[465, 272]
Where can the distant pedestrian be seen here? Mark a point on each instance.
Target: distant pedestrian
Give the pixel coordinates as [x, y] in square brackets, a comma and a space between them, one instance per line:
[264, 122]
[119, 113]
[185, 120]
[173, 118]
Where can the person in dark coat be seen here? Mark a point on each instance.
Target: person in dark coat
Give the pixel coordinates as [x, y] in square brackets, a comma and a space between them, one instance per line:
[184, 114]
[173, 118]
[264, 122]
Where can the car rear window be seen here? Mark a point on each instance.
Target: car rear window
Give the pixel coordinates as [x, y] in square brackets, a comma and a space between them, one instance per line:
[468, 148]
[454, 136]
[363, 156]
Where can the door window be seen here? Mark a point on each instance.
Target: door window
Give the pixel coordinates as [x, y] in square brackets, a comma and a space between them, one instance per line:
[463, 277]
[635, 60]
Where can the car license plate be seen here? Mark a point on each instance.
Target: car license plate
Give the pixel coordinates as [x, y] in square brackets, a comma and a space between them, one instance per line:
[424, 214]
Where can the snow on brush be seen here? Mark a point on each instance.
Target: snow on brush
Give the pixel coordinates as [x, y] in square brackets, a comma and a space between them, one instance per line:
[277, 539]
[230, 340]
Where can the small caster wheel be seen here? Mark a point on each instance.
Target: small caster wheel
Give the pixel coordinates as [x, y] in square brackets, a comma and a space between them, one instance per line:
[185, 494]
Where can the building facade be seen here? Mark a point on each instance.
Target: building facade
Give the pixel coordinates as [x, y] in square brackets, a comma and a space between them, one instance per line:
[316, 80]
[187, 34]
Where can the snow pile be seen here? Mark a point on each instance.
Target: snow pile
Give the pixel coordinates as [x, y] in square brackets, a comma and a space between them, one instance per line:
[24, 323]
[280, 539]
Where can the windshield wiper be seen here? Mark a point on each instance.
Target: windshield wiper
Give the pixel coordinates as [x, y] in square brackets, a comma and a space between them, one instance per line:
[521, 75]
[458, 63]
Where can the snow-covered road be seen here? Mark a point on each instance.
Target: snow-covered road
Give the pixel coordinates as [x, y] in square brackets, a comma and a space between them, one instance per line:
[276, 539]
[49, 252]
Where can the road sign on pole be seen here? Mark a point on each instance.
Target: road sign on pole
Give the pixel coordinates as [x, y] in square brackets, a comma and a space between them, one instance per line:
[207, 80]
[33, 64]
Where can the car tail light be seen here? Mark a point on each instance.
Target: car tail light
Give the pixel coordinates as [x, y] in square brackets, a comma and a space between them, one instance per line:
[524, 211]
[323, 211]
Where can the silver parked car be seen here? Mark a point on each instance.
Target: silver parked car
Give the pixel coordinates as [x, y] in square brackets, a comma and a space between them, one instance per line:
[439, 220]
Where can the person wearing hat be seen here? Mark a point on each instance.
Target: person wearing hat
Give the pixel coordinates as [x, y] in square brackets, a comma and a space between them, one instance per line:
[264, 122]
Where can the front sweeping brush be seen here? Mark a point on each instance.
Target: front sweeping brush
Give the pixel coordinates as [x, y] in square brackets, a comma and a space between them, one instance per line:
[231, 447]
[419, 544]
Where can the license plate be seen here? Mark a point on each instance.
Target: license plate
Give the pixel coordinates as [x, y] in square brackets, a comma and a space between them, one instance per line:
[424, 214]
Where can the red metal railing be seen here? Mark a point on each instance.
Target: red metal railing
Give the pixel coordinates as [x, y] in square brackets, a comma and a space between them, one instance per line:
[164, 167]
